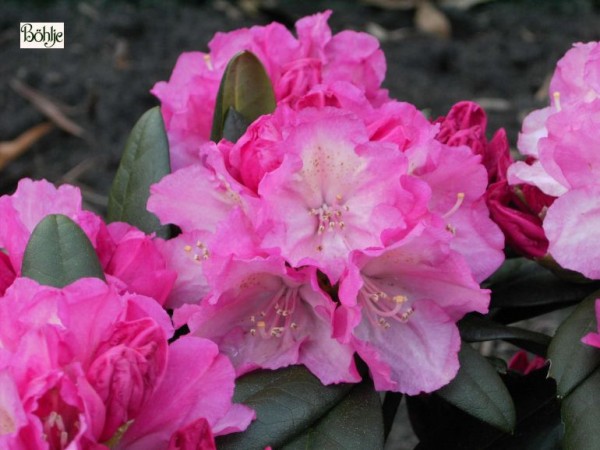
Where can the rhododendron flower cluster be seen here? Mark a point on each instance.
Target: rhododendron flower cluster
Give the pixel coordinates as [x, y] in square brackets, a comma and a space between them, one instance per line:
[308, 219]
[87, 367]
[560, 142]
[337, 224]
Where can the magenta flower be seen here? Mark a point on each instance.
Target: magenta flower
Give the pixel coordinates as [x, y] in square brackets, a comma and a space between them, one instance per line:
[129, 257]
[520, 362]
[466, 124]
[79, 364]
[294, 65]
[7, 273]
[516, 210]
[592, 338]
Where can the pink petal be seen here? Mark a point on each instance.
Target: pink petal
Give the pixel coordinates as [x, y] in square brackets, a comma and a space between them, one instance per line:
[420, 355]
[193, 388]
[572, 225]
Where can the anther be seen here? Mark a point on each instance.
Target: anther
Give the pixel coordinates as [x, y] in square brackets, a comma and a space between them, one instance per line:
[399, 299]
[556, 96]
[187, 248]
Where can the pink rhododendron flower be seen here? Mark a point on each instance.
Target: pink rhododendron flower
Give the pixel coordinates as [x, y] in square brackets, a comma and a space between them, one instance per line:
[128, 256]
[400, 306]
[294, 64]
[265, 315]
[520, 362]
[466, 124]
[77, 364]
[593, 338]
[516, 210]
[282, 224]
[560, 141]
[7, 273]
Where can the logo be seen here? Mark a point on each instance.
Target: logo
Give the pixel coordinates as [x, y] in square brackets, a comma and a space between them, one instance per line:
[42, 34]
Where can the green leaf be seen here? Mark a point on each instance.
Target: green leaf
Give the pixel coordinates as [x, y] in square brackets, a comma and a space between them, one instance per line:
[476, 328]
[576, 368]
[356, 423]
[287, 402]
[59, 253]
[580, 411]
[144, 162]
[524, 283]
[479, 391]
[440, 425]
[247, 91]
[572, 361]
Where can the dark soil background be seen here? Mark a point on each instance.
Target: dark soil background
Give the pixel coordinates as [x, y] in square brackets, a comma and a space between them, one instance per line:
[499, 53]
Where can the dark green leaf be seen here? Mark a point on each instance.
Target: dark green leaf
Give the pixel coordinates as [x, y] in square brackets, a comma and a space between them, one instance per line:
[581, 414]
[247, 90]
[479, 391]
[571, 361]
[144, 162]
[286, 401]
[390, 406]
[476, 328]
[440, 425]
[524, 283]
[59, 253]
[356, 423]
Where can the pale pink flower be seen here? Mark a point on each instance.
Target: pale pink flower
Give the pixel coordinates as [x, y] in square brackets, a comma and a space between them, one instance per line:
[266, 315]
[568, 157]
[577, 75]
[128, 256]
[294, 66]
[400, 306]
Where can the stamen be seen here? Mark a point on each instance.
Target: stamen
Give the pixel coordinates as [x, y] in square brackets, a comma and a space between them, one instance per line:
[380, 307]
[187, 248]
[460, 197]
[208, 62]
[556, 97]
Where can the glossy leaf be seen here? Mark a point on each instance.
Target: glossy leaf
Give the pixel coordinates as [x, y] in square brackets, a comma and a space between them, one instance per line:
[440, 425]
[479, 391]
[245, 94]
[581, 414]
[356, 423]
[524, 283]
[144, 162]
[287, 402]
[476, 328]
[572, 361]
[59, 253]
